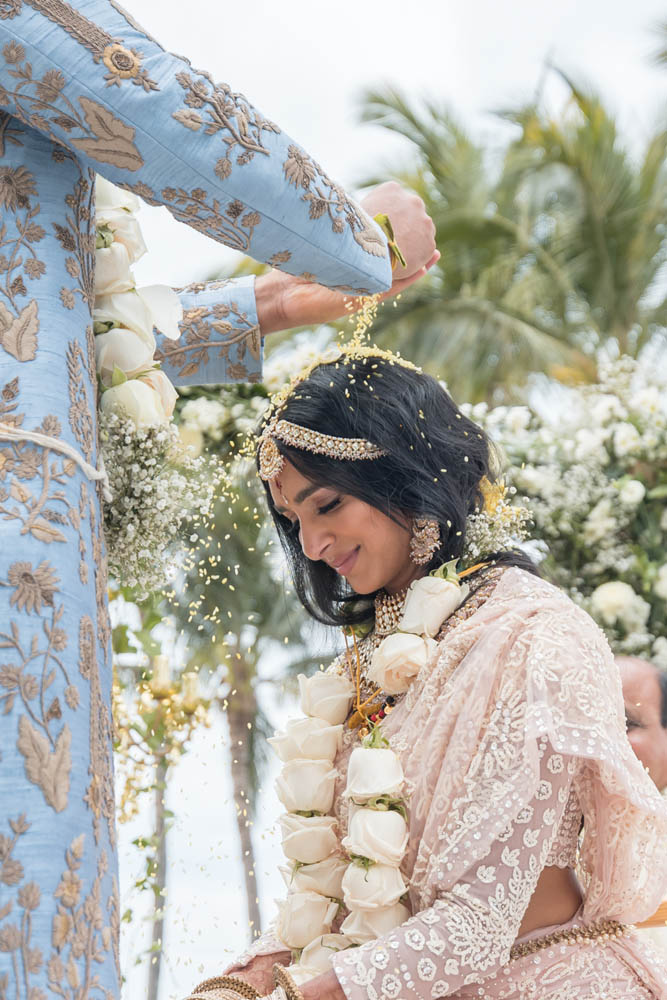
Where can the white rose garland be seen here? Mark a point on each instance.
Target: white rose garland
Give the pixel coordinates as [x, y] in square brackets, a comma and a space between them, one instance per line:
[305, 787]
[370, 883]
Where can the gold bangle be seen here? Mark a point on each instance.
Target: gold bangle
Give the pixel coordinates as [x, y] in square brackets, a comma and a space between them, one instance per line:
[282, 978]
[215, 989]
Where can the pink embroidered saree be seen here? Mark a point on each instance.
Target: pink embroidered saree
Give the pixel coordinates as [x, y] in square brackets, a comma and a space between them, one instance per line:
[508, 738]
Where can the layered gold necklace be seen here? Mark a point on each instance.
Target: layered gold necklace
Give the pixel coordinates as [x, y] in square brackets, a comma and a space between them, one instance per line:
[370, 703]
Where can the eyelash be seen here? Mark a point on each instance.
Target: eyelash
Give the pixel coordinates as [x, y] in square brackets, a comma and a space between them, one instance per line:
[294, 525]
[328, 506]
[631, 723]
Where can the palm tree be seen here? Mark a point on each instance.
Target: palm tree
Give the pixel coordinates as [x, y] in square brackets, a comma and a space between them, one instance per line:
[543, 259]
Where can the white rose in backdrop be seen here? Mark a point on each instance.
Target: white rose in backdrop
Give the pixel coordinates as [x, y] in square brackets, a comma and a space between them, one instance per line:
[308, 839]
[136, 401]
[112, 270]
[429, 602]
[616, 601]
[632, 493]
[159, 382]
[372, 888]
[373, 772]
[379, 835]
[326, 696]
[660, 585]
[398, 659]
[325, 877]
[304, 916]
[366, 925]
[125, 349]
[306, 786]
[308, 738]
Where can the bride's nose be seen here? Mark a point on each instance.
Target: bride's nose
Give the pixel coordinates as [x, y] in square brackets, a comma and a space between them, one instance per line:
[314, 540]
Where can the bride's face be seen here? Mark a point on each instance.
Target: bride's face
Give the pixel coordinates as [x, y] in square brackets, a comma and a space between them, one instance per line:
[362, 544]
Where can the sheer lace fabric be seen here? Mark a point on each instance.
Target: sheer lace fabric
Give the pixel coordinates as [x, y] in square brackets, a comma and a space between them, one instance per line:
[507, 738]
[513, 732]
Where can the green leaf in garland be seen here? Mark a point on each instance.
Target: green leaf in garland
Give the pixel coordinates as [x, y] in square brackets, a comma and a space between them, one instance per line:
[104, 237]
[118, 376]
[447, 571]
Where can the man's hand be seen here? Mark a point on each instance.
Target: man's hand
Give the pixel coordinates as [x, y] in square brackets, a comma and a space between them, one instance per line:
[414, 232]
[284, 301]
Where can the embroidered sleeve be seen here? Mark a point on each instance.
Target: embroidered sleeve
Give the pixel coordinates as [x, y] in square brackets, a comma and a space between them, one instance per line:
[103, 89]
[220, 338]
[466, 935]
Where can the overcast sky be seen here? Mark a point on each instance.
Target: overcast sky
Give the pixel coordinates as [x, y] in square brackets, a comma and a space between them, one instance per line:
[305, 65]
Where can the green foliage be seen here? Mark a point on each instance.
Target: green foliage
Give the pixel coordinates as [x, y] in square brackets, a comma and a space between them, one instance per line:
[545, 258]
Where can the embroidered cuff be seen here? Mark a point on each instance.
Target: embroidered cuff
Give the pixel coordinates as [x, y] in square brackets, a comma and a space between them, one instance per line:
[220, 339]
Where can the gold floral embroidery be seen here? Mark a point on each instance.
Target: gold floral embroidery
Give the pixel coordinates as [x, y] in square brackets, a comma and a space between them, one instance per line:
[9, 132]
[19, 263]
[100, 792]
[79, 934]
[42, 104]
[233, 225]
[77, 237]
[279, 258]
[195, 348]
[21, 462]
[47, 756]
[325, 197]
[81, 406]
[10, 8]
[216, 108]
[122, 63]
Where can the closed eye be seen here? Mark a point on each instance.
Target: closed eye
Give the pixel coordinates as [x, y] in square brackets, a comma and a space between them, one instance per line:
[329, 506]
[632, 723]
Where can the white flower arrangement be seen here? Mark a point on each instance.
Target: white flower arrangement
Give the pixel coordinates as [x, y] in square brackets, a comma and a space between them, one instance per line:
[594, 475]
[156, 486]
[363, 870]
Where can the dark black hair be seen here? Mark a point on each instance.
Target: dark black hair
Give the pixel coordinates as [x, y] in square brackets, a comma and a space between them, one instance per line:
[436, 458]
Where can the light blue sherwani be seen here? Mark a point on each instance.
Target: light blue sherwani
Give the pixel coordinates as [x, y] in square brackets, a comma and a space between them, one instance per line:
[86, 90]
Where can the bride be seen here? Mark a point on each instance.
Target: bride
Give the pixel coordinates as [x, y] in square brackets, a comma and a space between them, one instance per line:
[464, 814]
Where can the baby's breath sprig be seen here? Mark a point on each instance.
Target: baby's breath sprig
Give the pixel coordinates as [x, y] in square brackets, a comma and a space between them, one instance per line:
[158, 490]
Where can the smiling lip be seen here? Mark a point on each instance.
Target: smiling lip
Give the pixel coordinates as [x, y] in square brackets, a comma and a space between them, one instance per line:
[348, 562]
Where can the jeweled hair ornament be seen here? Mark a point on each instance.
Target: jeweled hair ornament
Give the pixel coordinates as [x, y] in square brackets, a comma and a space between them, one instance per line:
[271, 460]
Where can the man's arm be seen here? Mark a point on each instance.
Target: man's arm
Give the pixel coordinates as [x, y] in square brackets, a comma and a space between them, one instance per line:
[88, 78]
[225, 322]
